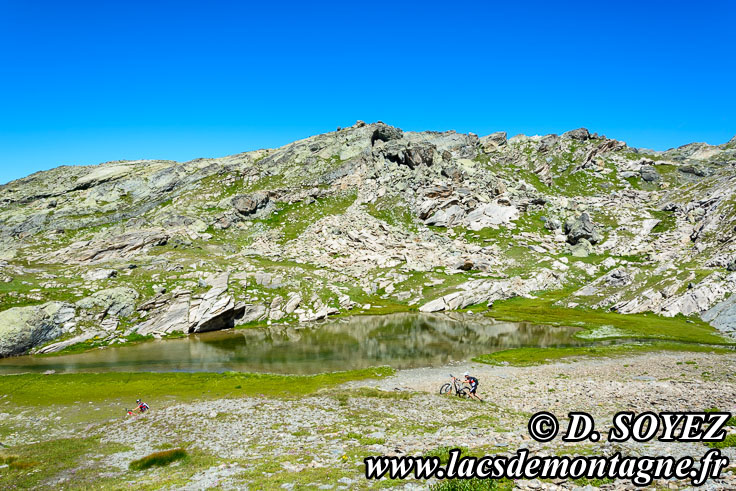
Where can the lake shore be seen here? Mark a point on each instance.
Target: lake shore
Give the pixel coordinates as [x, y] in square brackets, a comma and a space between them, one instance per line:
[319, 437]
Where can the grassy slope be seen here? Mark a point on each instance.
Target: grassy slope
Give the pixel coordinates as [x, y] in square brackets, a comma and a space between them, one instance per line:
[542, 310]
[86, 400]
[42, 390]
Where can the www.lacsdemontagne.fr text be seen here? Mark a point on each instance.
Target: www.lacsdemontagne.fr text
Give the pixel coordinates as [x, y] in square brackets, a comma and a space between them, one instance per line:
[641, 471]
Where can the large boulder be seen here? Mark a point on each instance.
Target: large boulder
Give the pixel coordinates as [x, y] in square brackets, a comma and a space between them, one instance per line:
[112, 248]
[99, 274]
[581, 249]
[173, 317]
[582, 228]
[580, 134]
[649, 173]
[249, 204]
[385, 133]
[221, 313]
[292, 302]
[411, 155]
[22, 328]
[722, 316]
[215, 310]
[447, 217]
[618, 277]
[118, 301]
[491, 215]
[492, 142]
[252, 313]
[547, 142]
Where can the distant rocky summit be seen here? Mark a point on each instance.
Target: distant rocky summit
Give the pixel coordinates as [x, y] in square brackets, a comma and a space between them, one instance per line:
[368, 218]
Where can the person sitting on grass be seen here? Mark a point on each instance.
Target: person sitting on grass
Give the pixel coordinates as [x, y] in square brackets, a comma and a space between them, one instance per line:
[142, 406]
[473, 383]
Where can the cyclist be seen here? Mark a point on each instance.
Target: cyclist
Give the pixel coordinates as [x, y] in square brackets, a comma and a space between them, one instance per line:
[473, 383]
[141, 406]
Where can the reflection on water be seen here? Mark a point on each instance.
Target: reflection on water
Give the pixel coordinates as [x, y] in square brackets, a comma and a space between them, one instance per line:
[399, 340]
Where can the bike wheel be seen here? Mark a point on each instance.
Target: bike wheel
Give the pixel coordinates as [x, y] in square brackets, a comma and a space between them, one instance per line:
[445, 389]
[464, 393]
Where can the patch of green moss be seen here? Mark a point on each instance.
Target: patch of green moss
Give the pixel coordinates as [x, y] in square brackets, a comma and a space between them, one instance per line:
[268, 182]
[728, 442]
[473, 485]
[43, 390]
[542, 310]
[538, 356]
[667, 221]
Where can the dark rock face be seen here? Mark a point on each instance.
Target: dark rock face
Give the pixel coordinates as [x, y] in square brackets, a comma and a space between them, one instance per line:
[618, 277]
[386, 133]
[581, 228]
[465, 265]
[223, 316]
[691, 169]
[649, 173]
[410, 155]
[250, 203]
[420, 155]
[546, 143]
[581, 134]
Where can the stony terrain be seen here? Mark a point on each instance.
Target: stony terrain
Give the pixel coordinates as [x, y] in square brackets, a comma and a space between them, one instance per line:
[319, 441]
[364, 219]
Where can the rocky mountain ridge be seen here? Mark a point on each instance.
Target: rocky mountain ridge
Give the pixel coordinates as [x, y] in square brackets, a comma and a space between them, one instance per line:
[364, 219]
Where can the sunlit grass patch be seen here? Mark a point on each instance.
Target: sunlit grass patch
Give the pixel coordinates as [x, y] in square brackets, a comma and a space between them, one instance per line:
[731, 421]
[473, 485]
[30, 464]
[538, 356]
[443, 453]
[728, 442]
[45, 390]
[542, 310]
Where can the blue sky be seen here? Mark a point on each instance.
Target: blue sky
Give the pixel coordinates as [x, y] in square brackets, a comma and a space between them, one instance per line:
[87, 82]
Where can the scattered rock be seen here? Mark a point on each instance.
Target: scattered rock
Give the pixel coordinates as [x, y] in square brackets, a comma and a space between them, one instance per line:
[649, 173]
[99, 274]
[581, 228]
[118, 301]
[581, 248]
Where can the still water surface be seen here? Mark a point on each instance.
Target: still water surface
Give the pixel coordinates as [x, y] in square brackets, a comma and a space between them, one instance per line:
[398, 340]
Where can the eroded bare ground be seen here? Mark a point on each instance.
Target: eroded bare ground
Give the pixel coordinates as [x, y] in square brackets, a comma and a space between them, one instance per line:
[320, 441]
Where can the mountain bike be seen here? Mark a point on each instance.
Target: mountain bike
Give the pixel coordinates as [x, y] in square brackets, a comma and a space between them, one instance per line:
[461, 390]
